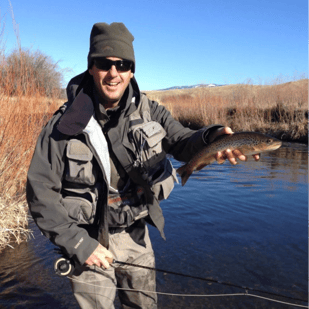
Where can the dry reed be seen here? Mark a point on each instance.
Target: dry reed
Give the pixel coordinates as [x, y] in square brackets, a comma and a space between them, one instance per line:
[23, 113]
[280, 110]
[13, 223]
[21, 120]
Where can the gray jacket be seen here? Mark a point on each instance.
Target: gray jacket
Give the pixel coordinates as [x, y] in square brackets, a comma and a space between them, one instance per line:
[68, 179]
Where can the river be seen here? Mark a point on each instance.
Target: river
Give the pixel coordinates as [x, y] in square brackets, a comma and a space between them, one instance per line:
[243, 224]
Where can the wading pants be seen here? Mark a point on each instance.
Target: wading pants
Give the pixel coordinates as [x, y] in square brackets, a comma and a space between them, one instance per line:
[95, 288]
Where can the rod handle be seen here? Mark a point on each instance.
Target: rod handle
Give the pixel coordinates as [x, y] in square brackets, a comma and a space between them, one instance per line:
[109, 260]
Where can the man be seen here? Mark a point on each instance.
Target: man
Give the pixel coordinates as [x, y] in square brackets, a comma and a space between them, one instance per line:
[100, 169]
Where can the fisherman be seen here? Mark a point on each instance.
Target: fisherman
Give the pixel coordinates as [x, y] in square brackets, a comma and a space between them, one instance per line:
[100, 169]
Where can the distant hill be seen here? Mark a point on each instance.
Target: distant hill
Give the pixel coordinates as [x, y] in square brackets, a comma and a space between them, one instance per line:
[190, 87]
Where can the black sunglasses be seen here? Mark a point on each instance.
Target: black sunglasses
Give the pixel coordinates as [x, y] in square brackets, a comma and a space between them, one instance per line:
[106, 64]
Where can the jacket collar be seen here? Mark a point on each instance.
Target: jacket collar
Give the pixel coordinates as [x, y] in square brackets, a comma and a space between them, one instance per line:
[77, 115]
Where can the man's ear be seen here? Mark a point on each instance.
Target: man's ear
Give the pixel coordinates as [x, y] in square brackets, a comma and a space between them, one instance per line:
[132, 74]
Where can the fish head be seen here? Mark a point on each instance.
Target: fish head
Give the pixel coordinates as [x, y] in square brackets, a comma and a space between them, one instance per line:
[267, 143]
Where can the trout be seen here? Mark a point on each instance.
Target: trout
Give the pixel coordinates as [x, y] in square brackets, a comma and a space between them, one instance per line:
[249, 143]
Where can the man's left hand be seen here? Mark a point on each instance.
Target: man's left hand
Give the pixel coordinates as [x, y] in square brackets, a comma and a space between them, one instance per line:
[232, 156]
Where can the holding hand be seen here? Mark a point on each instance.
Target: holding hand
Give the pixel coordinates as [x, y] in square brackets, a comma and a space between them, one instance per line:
[228, 154]
[100, 257]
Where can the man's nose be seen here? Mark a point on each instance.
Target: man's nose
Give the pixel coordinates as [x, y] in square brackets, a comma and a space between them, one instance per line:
[113, 71]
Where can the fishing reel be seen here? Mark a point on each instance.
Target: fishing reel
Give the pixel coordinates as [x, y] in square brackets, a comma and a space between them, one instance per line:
[63, 266]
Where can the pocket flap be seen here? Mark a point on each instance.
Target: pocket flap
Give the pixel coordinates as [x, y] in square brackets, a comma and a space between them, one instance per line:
[151, 128]
[154, 133]
[77, 150]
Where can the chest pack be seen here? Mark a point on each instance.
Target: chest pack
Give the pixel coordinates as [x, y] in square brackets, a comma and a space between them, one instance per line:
[147, 136]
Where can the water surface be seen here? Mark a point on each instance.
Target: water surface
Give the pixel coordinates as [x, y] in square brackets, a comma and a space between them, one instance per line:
[244, 224]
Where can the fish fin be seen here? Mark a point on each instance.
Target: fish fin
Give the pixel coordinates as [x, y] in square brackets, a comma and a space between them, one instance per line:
[185, 176]
[201, 166]
[183, 173]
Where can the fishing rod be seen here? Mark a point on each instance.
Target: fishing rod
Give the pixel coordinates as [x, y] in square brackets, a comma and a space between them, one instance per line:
[64, 267]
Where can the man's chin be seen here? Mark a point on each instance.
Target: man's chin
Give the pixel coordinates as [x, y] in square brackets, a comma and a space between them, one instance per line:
[110, 102]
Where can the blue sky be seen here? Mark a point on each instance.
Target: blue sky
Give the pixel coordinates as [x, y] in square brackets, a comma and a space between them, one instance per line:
[176, 43]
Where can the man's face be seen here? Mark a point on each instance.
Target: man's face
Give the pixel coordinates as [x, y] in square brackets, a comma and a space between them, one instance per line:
[110, 84]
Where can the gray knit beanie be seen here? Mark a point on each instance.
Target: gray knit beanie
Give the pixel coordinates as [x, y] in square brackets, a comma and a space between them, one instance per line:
[113, 40]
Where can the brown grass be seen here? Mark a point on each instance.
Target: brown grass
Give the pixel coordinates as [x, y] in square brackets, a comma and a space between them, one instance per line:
[22, 117]
[26, 79]
[280, 110]
[13, 222]
[21, 120]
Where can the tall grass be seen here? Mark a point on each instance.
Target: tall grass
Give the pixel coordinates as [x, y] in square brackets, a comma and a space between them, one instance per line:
[21, 120]
[26, 104]
[280, 110]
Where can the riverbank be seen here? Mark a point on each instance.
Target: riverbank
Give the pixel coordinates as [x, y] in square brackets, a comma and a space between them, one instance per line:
[20, 125]
[280, 110]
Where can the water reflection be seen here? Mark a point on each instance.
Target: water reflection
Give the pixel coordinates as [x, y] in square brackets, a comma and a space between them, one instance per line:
[27, 279]
[288, 164]
[244, 224]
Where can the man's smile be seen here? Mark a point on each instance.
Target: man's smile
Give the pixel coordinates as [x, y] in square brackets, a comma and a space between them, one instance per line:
[112, 83]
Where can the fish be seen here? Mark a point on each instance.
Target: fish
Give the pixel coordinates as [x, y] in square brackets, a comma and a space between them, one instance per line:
[249, 143]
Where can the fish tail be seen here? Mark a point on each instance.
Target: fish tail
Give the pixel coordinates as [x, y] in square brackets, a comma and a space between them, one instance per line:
[184, 173]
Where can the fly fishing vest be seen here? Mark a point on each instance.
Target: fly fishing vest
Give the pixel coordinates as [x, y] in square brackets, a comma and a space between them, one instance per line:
[146, 137]
[151, 163]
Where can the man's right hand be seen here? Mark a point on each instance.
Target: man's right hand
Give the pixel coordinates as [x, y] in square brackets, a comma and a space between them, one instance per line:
[98, 257]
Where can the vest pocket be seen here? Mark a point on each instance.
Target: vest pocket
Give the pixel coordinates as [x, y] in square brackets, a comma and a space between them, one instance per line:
[80, 167]
[79, 209]
[148, 140]
[163, 184]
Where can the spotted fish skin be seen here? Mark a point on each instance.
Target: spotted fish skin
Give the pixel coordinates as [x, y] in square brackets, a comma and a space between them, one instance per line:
[249, 143]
